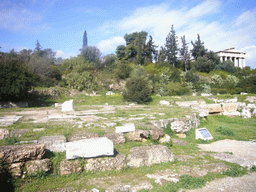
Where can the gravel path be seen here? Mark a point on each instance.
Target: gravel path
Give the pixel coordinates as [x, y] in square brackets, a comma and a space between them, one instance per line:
[244, 153]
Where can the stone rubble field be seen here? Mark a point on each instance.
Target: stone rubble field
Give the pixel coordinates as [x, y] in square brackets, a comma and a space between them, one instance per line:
[100, 135]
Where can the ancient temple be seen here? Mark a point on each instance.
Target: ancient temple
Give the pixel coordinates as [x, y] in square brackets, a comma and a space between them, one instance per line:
[237, 57]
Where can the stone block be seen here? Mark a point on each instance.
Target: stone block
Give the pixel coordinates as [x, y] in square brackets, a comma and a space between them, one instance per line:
[163, 102]
[106, 164]
[165, 139]
[125, 128]
[33, 167]
[88, 148]
[229, 107]
[21, 153]
[3, 133]
[214, 108]
[149, 155]
[138, 135]
[246, 113]
[9, 120]
[70, 167]
[68, 106]
[16, 169]
[116, 138]
[53, 143]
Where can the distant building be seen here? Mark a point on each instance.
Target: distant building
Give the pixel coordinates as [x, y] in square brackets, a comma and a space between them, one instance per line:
[237, 57]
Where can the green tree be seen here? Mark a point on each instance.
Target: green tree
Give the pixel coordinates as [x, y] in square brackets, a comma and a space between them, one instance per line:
[172, 47]
[92, 54]
[185, 56]
[150, 50]
[198, 48]
[120, 52]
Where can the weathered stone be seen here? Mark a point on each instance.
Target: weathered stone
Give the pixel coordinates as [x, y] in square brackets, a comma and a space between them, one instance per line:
[87, 148]
[35, 166]
[179, 126]
[3, 133]
[156, 133]
[229, 107]
[127, 188]
[187, 104]
[149, 155]
[251, 99]
[105, 164]
[125, 128]
[81, 135]
[204, 114]
[178, 142]
[70, 167]
[16, 169]
[9, 120]
[162, 177]
[68, 106]
[110, 93]
[165, 139]
[116, 138]
[231, 114]
[163, 102]
[137, 135]
[20, 153]
[246, 113]
[53, 143]
[214, 108]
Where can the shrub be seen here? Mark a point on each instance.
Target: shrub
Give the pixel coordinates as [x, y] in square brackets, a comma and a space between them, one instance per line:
[247, 85]
[216, 79]
[232, 79]
[253, 169]
[172, 89]
[225, 131]
[206, 89]
[123, 71]
[80, 81]
[189, 182]
[137, 90]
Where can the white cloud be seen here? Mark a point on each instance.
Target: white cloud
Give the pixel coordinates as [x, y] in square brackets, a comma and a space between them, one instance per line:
[217, 35]
[64, 55]
[16, 17]
[109, 45]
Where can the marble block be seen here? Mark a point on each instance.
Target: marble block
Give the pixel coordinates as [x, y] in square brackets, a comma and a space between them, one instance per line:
[125, 128]
[68, 106]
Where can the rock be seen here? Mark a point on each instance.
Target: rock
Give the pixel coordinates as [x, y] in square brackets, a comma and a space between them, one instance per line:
[68, 106]
[165, 139]
[39, 129]
[16, 169]
[246, 113]
[20, 153]
[187, 104]
[149, 155]
[110, 93]
[125, 128]
[129, 188]
[251, 99]
[229, 107]
[156, 133]
[137, 135]
[179, 142]
[4, 133]
[53, 143]
[163, 102]
[231, 114]
[204, 114]
[58, 104]
[9, 120]
[179, 126]
[70, 167]
[162, 177]
[81, 135]
[35, 166]
[87, 148]
[243, 93]
[214, 108]
[110, 124]
[116, 138]
[106, 164]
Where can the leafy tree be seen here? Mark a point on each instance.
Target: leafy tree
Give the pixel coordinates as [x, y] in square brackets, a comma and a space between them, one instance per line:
[120, 52]
[172, 47]
[202, 64]
[92, 54]
[137, 90]
[226, 66]
[185, 56]
[150, 50]
[198, 48]
[15, 79]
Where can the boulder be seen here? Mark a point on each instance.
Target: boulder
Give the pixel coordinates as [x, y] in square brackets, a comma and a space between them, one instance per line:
[88, 148]
[35, 166]
[179, 126]
[53, 143]
[251, 99]
[21, 153]
[70, 167]
[116, 138]
[163, 102]
[214, 108]
[204, 114]
[138, 135]
[67, 106]
[179, 142]
[165, 139]
[3, 133]
[149, 155]
[229, 107]
[246, 113]
[156, 133]
[106, 164]
[16, 169]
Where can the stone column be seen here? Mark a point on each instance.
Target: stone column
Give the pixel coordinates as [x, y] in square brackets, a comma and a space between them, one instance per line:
[244, 62]
[235, 62]
[221, 59]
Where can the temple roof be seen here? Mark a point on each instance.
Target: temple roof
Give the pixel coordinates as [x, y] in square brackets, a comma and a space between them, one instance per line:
[230, 50]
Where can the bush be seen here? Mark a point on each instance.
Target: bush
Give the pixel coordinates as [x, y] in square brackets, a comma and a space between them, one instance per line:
[247, 85]
[189, 182]
[172, 89]
[137, 90]
[81, 81]
[225, 131]
[123, 71]
[236, 171]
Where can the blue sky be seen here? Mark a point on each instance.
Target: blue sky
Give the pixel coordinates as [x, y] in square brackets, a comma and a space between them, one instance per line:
[59, 24]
